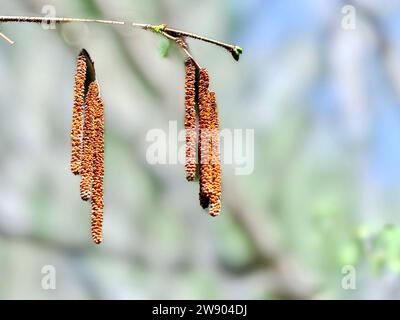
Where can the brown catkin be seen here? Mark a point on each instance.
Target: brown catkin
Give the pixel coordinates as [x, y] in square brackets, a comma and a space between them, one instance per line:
[204, 139]
[215, 195]
[190, 119]
[88, 141]
[77, 115]
[98, 173]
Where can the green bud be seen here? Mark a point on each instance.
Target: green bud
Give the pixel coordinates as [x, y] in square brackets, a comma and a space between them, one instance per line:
[236, 52]
[159, 28]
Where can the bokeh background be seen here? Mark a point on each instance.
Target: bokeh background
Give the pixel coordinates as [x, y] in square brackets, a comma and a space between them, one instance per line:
[324, 195]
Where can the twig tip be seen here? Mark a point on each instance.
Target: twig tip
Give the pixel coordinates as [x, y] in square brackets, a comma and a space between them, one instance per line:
[236, 52]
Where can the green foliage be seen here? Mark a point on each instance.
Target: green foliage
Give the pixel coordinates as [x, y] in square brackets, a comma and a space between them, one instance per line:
[349, 254]
[385, 251]
[164, 46]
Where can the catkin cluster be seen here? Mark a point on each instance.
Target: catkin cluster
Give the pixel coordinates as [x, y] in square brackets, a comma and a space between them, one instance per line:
[197, 94]
[87, 140]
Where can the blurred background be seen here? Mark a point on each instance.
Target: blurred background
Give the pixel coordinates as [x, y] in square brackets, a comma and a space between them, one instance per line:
[322, 203]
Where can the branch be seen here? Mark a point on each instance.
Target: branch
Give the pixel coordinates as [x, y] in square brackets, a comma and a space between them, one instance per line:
[162, 29]
[183, 45]
[58, 244]
[235, 50]
[57, 20]
[2, 35]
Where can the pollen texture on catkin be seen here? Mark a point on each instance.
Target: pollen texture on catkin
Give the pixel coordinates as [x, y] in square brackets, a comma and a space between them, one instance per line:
[215, 195]
[88, 142]
[190, 119]
[98, 173]
[204, 139]
[77, 115]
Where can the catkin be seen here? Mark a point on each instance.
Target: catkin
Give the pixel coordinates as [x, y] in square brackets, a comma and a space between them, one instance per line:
[87, 137]
[77, 115]
[215, 195]
[98, 173]
[88, 141]
[190, 119]
[204, 139]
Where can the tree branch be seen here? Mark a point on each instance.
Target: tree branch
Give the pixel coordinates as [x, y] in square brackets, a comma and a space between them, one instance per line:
[57, 20]
[162, 29]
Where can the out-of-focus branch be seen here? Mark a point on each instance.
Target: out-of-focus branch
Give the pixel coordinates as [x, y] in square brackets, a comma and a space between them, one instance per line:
[69, 246]
[383, 43]
[289, 282]
[281, 282]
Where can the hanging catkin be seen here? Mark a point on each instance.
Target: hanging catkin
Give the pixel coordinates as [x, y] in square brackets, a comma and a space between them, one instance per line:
[77, 114]
[88, 141]
[190, 119]
[215, 195]
[98, 172]
[204, 139]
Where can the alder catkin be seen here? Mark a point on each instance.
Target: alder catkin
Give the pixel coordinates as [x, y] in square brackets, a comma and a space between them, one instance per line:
[98, 173]
[88, 142]
[215, 195]
[190, 119]
[204, 139]
[77, 115]
[87, 136]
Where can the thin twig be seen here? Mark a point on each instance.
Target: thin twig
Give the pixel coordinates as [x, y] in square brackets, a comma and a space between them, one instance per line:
[191, 57]
[235, 50]
[55, 20]
[181, 33]
[183, 45]
[2, 35]
[162, 29]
